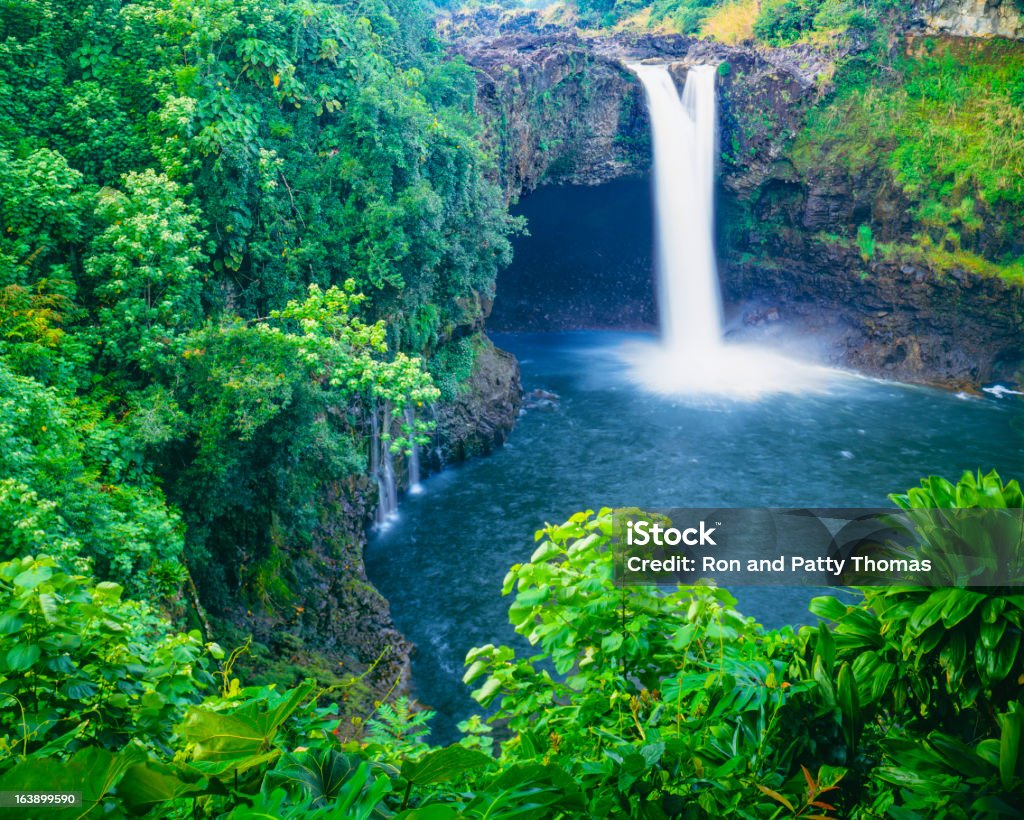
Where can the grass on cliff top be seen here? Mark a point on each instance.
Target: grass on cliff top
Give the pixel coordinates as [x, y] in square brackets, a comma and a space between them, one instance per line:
[947, 120]
[732, 23]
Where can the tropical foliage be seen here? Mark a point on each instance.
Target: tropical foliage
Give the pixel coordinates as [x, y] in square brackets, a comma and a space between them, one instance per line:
[230, 232]
[946, 119]
[238, 238]
[639, 702]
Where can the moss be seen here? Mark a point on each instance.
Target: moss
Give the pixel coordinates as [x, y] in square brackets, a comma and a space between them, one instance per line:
[942, 261]
[451, 366]
[267, 581]
[947, 123]
[865, 242]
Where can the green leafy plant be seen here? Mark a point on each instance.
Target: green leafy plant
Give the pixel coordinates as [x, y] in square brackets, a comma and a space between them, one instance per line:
[400, 727]
[665, 689]
[80, 666]
[638, 701]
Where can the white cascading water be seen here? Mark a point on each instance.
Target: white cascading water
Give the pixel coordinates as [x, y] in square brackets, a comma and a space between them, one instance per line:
[387, 486]
[382, 467]
[684, 135]
[415, 485]
[692, 357]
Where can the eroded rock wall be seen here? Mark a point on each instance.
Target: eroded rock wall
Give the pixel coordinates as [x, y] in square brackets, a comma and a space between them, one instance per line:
[896, 319]
[970, 18]
[787, 228]
[560, 108]
[481, 416]
[557, 111]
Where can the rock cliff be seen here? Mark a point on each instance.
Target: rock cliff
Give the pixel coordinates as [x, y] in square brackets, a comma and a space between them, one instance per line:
[970, 18]
[481, 415]
[557, 110]
[563, 108]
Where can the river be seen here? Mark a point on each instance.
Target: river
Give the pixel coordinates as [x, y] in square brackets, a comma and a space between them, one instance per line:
[846, 443]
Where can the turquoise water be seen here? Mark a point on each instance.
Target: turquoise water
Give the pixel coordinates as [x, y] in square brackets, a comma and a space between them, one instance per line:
[441, 563]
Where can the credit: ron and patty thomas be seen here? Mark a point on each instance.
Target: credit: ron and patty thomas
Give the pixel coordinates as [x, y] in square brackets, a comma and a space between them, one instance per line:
[821, 547]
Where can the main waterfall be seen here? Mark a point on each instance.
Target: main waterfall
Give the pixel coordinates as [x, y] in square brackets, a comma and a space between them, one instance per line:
[692, 357]
[684, 134]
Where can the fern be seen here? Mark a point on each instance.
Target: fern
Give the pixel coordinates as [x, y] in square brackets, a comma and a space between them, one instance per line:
[400, 726]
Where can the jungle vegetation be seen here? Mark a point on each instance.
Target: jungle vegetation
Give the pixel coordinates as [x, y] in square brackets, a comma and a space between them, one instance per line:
[639, 702]
[231, 233]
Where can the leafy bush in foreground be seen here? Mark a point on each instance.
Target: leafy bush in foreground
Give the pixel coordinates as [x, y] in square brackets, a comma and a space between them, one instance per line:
[638, 703]
[80, 667]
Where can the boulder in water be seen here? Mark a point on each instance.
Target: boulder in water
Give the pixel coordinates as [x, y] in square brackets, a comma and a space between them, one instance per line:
[540, 400]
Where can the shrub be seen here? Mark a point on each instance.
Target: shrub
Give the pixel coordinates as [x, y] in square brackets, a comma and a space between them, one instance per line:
[866, 242]
[83, 667]
[781, 22]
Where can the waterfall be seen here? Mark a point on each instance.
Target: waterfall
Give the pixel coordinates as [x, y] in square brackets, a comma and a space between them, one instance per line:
[684, 133]
[382, 463]
[692, 358]
[382, 467]
[415, 487]
[388, 486]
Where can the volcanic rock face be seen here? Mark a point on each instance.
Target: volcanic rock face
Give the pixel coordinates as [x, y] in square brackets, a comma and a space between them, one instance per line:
[894, 319]
[483, 414]
[564, 109]
[561, 108]
[557, 111]
[970, 18]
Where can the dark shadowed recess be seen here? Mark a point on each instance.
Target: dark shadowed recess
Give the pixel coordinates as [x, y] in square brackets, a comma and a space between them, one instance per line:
[586, 262]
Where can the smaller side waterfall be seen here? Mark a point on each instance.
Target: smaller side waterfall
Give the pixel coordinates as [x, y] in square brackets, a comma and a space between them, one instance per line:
[382, 468]
[388, 486]
[415, 486]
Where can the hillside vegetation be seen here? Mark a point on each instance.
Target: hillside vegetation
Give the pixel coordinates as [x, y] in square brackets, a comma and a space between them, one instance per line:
[638, 702]
[774, 22]
[946, 121]
[223, 225]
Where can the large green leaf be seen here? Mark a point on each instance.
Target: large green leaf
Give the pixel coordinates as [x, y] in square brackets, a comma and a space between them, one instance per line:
[929, 612]
[849, 704]
[22, 656]
[10, 622]
[959, 604]
[824, 681]
[827, 607]
[234, 765]
[994, 665]
[444, 764]
[93, 771]
[528, 792]
[219, 736]
[31, 578]
[246, 732]
[485, 694]
[953, 658]
[1011, 761]
[319, 773]
[992, 633]
[146, 785]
